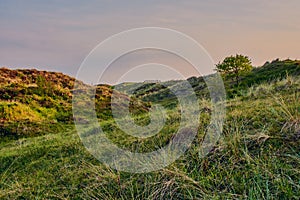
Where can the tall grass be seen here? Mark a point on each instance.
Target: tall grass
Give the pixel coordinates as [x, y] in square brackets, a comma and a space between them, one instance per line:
[256, 158]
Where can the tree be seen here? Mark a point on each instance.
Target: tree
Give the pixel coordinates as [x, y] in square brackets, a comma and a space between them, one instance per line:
[234, 67]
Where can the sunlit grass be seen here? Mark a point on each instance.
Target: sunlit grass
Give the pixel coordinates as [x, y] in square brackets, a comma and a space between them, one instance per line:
[256, 158]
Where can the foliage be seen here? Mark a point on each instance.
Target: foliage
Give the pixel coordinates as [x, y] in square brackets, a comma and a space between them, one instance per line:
[257, 156]
[271, 71]
[234, 67]
[44, 87]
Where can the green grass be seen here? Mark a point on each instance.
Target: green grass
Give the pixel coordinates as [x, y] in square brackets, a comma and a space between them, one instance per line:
[258, 157]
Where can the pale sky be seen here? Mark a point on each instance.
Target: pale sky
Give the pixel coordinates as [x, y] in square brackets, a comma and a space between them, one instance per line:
[57, 35]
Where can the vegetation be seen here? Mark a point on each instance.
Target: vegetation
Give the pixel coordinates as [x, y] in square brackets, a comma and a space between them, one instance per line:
[257, 157]
[234, 67]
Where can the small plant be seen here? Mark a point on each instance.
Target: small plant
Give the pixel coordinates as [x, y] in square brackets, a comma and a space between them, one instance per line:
[290, 110]
[45, 87]
[6, 96]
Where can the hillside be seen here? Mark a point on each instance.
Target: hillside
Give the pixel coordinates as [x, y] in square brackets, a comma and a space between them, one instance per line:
[273, 71]
[257, 156]
[33, 102]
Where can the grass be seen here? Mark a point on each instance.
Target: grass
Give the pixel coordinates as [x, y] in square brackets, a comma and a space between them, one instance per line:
[258, 157]
[15, 111]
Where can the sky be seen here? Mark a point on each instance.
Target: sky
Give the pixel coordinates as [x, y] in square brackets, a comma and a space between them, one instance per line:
[57, 35]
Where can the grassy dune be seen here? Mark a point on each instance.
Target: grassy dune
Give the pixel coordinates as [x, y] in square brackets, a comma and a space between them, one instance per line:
[257, 157]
